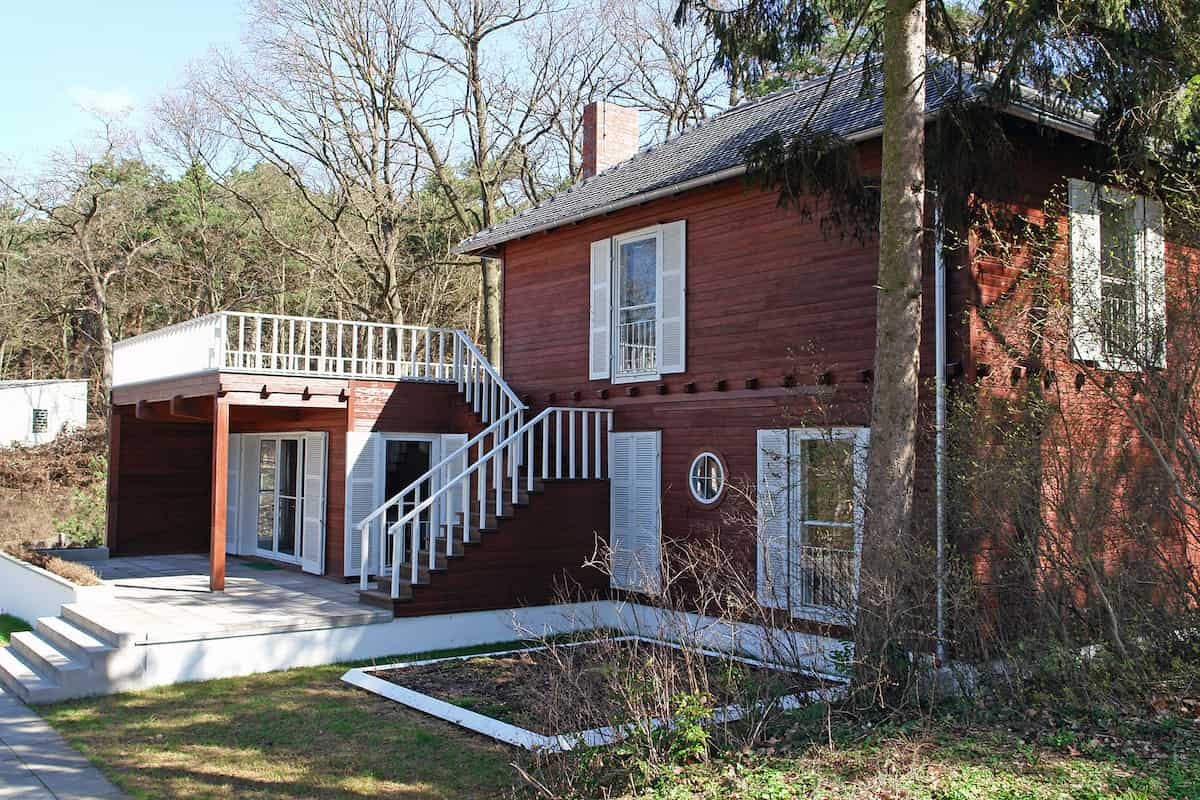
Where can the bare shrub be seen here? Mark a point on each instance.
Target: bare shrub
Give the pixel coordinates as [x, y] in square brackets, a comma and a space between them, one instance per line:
[1075, 499]
[60, 483]
[701, 645]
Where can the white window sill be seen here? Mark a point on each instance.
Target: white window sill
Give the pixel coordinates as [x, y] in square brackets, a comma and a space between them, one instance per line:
[641, 377]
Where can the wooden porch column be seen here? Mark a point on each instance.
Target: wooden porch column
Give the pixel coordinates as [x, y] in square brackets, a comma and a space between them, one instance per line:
[114, 470]
[220, 493]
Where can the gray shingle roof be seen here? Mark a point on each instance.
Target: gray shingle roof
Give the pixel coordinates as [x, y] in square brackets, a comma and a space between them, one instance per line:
[714, 146]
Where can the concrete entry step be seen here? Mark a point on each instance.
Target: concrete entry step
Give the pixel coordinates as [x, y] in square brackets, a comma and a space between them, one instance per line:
[70, 638]
[46, 658]
[24, 681]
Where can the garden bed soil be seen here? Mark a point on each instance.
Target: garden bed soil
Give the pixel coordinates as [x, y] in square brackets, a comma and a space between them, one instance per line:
[576, 685]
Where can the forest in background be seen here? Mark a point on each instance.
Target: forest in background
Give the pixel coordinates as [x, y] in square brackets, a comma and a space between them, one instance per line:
[328, 170]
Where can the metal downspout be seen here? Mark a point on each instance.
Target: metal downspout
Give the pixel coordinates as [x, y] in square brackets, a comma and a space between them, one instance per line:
[939, 283]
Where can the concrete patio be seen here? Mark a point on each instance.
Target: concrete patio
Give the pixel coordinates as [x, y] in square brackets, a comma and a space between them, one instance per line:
[166, 599]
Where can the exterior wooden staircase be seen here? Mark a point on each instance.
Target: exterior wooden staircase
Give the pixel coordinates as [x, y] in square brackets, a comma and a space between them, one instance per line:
[485, 488]
[460, 544]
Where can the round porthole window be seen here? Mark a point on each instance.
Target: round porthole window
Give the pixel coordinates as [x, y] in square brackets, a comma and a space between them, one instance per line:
[707, 478]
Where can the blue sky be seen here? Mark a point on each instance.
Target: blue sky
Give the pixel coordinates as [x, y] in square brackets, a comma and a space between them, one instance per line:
[61, 54]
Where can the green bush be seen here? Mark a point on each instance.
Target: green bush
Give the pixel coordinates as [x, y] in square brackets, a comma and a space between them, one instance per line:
[85, 526]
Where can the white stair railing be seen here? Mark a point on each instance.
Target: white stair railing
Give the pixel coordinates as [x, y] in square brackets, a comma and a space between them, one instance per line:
[571, 442]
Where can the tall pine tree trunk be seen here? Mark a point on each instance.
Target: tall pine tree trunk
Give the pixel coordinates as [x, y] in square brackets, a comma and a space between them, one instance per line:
[898, 322]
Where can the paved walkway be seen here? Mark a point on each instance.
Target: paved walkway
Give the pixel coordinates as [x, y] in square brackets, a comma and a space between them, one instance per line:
[38, 764]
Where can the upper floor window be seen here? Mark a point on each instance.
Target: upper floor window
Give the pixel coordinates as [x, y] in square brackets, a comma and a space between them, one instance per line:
[636, 339]
[1118, 284]
[637, 321]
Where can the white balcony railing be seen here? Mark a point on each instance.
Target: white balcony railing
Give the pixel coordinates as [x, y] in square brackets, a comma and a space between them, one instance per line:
[637, 351]
[281, 345]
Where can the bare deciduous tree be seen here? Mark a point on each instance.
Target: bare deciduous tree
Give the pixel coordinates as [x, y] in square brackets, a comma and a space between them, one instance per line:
[93, 208]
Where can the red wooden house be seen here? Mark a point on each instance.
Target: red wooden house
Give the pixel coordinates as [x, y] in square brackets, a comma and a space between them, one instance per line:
[652, 316]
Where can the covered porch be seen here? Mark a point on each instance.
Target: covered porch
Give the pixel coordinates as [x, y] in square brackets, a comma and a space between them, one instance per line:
[197, 406]
[157, 599]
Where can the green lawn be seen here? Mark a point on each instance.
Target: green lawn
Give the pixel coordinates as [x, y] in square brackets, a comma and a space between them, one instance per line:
[10, 625]
[295, 734]
[305, 734]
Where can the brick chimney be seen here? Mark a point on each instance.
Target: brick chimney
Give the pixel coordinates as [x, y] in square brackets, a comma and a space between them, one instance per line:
[610, 135]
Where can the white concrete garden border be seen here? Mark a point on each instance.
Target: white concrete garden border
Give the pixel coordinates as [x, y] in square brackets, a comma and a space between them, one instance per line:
[30, 592]
[557, 743]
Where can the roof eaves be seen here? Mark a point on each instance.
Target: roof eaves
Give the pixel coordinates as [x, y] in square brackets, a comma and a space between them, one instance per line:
[1031, 106]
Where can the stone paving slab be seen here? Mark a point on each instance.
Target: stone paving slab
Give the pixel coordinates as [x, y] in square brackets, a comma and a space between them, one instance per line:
[37, 763]
[166, 598]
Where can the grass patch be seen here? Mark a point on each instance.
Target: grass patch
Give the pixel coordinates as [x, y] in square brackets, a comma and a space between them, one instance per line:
[300, 733]
[10, 625]
[954, 758]
[305, 734]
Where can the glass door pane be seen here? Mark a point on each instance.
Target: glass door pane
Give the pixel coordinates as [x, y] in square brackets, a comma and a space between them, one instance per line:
[266, 494]
[405, 462]
[637, 306]
[288, 483]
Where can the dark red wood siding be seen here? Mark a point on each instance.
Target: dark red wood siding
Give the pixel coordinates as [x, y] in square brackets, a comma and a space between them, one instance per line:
[161, 487]
[535, 558]
[768, 295]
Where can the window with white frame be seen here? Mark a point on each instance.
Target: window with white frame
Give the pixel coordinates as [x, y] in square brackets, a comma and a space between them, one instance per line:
[40, 421]
[810, 520]
[1118, 282]
[706, 478]
[637, 321]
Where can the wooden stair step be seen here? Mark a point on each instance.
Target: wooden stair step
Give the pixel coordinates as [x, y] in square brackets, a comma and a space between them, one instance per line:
[383, 598]
[456, 531]
[489, 521]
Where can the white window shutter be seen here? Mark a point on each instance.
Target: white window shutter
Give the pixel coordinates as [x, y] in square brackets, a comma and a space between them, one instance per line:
[362, 492]
[1153, 266]
[635, 531]
[600, 325]
[672, 288]
[774, 504]
[1085, 270]
[248, 496]
[233, 492]
[312, 522]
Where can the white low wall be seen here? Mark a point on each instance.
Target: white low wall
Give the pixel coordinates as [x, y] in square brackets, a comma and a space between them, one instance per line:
[163, 663]
[822, 654]
[30, 592]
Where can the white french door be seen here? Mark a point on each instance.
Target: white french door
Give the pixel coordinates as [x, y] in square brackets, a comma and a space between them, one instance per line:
[280, 487]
